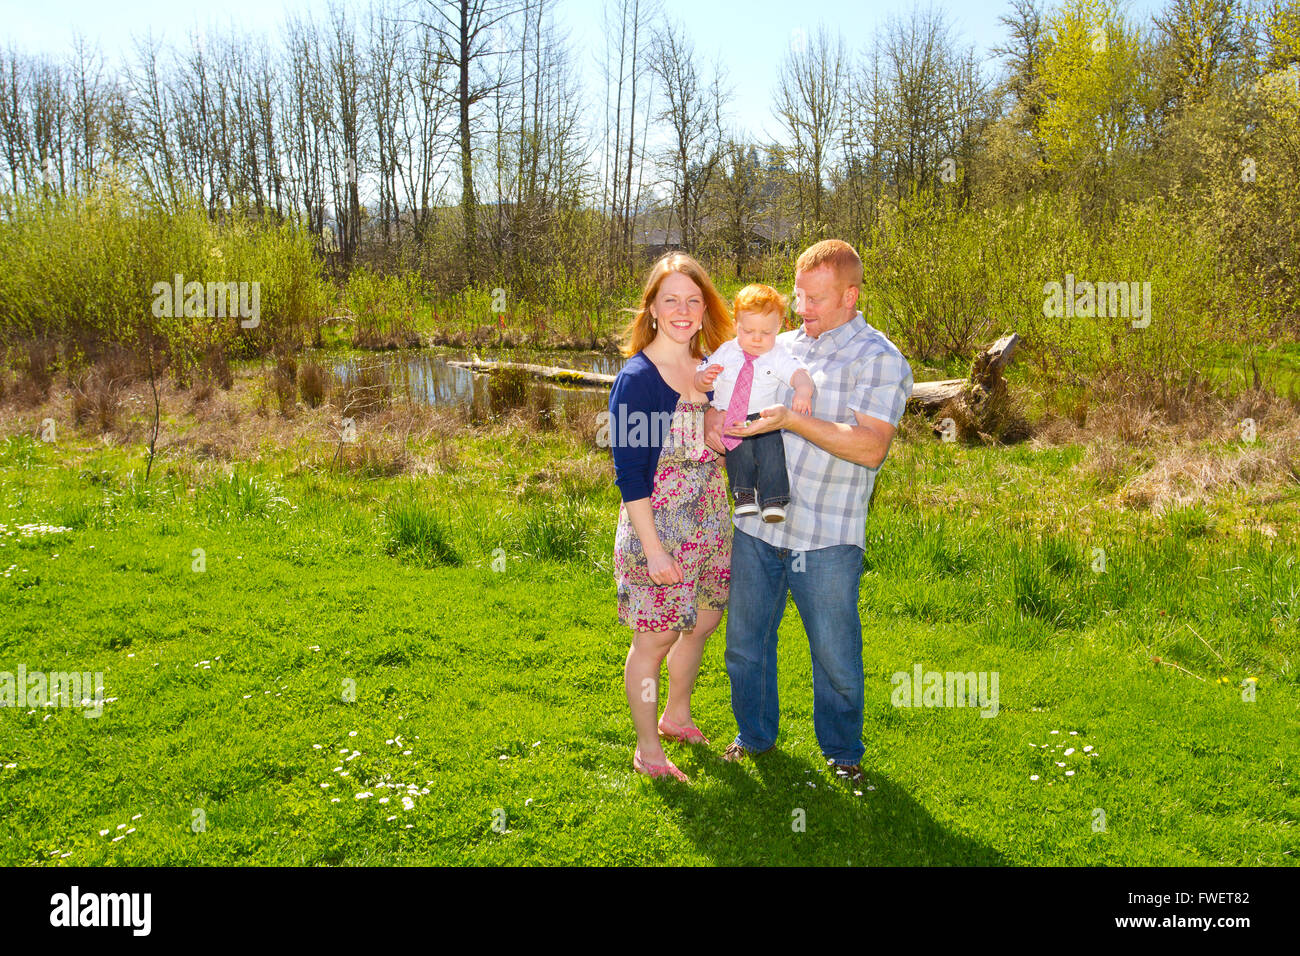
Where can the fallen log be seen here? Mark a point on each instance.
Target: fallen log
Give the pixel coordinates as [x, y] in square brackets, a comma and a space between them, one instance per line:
[985, 375]
[930, 396]
[561, 376]
[975, 402]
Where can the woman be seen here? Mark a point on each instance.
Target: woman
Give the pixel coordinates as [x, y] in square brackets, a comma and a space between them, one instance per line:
[672, 550]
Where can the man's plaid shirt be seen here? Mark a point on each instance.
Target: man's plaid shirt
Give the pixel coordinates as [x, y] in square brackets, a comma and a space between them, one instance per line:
[854, 367]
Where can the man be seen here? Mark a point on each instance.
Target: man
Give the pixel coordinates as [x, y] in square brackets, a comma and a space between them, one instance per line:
[862, 387]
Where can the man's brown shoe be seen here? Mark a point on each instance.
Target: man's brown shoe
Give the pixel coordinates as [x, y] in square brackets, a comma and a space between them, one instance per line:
[849, 771]
[736, 753]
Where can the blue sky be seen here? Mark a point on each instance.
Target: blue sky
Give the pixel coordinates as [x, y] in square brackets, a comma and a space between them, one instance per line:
[749, 37]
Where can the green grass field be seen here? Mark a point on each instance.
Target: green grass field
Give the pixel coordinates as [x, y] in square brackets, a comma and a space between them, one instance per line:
[349, 680]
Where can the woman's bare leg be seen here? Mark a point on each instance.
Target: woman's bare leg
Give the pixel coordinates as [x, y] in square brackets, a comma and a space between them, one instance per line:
[684, 665]
[641, 681]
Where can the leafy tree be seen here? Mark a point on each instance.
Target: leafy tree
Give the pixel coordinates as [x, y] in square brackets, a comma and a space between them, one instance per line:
[1090, 123]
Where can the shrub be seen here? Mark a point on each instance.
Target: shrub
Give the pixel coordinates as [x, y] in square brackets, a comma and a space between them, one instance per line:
[84, 267]
[414, 529]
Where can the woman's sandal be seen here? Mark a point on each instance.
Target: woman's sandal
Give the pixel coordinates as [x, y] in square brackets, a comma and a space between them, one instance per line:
[654, 771]
[684, 735]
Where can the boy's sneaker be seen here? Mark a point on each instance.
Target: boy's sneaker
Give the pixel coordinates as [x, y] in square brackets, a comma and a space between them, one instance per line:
[745, 504]
[773, 514]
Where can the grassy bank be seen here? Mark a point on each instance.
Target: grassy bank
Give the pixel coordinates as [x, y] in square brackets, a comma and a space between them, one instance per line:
[405, 650]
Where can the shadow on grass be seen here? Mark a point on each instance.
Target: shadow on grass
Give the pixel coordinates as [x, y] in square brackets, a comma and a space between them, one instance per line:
[763, 812]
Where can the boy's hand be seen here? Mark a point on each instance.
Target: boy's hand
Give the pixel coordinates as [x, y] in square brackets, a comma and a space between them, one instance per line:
[803, 386]
[704, 380]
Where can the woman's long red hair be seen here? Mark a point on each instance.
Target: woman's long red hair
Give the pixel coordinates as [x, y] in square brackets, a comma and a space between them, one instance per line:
[717, 326]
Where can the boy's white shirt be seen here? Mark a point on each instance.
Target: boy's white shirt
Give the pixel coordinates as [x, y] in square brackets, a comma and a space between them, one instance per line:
[772, 369]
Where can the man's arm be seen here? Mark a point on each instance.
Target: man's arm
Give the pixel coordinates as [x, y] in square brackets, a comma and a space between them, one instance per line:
[866, 443]
[883, 387]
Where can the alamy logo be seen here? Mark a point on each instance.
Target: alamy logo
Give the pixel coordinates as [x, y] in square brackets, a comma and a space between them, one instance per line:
[1117, 300]
[639, 429]
[216, 300]
[924, 688]
[53, 688]
[102, 909]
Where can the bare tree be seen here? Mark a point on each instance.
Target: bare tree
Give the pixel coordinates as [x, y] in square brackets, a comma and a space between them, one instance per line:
[930, 100]
[151, 143]
[737, 198]
[809, 105]
[386, 100]
[13, 116]
[692, 110]
[626, 23]
[1024, 52]
[305, 111]
[465, 30]
[345, 131]
[427, 148]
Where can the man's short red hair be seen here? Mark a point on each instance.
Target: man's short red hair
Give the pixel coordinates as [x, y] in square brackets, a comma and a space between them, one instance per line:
[839, 255]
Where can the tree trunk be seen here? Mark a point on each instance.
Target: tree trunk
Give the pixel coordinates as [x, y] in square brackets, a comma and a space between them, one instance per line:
[977, 399]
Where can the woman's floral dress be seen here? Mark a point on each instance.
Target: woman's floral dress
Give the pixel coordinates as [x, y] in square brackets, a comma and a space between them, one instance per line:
[693, 520]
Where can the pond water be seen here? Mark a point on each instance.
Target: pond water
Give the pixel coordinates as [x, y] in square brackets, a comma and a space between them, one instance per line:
[422, 376]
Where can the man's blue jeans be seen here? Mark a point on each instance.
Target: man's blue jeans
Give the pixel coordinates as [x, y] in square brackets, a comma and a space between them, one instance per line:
[824, 583]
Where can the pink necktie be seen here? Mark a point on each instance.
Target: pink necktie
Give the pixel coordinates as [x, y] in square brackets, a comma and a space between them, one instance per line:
[738, 407]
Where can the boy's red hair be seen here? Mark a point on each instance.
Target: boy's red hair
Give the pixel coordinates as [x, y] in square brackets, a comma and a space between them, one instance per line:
[761, 299]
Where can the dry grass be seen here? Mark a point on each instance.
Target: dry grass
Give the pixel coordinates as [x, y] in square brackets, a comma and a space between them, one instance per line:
[1187, 476]
[95, 399]
[1160, 459]
[285, 382]
[1138, 455]
[395, 333]
[41, 357]
[492, 335]
[96, 392]
[365, 390]
[314, 383]
[214, 368]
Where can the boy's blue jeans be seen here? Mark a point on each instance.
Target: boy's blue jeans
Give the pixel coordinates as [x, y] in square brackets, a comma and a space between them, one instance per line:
[759, 463]
[824, 583]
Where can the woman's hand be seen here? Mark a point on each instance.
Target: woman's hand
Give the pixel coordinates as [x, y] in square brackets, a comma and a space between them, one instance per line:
[713, 418]
[664, 569]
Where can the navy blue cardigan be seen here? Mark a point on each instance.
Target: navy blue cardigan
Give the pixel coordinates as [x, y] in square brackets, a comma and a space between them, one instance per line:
[641, 404]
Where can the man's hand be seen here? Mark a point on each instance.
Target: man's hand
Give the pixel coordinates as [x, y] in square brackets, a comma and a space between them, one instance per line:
[773, 417]
[713, 419]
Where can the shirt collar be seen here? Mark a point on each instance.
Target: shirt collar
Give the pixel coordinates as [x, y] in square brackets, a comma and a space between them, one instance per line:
[836, 336]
